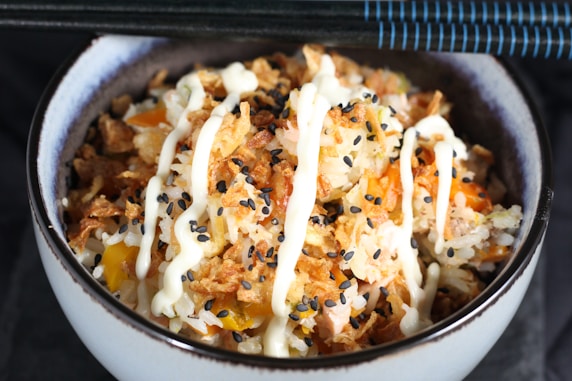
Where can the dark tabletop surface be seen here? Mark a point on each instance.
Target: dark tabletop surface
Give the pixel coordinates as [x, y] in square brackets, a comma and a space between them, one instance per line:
[37, 343]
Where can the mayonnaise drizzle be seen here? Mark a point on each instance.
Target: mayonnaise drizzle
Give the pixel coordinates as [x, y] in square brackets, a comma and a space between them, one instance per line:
[156, 182]
[313, 103]
[418, 313]
[236, 80]
[444, 160]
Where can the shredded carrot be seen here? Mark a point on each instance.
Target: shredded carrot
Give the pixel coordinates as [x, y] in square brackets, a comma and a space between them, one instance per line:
[150, 118]
[476, 195]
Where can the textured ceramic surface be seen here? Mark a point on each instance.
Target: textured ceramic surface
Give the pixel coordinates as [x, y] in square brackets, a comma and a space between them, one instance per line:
[490, 108]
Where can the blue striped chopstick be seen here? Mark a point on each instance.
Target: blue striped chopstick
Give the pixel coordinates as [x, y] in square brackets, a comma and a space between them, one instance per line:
[519, 29]
[518, 13]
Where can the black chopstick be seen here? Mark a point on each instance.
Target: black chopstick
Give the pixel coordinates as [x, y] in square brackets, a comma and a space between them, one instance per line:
[541, 31]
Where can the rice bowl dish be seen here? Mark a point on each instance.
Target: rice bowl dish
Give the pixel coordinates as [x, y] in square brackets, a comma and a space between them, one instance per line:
[289, 206]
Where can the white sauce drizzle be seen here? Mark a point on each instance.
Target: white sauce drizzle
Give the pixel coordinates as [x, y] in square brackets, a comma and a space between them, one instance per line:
[444, 160]
[418, 314]
[312, 109]
[155, 183]
[313, 103]
[236, 80]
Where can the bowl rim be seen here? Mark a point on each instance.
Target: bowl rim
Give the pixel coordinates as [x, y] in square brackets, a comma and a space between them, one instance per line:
[489, 296]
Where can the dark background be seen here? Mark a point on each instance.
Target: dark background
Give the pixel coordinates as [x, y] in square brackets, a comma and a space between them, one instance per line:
[37, 343]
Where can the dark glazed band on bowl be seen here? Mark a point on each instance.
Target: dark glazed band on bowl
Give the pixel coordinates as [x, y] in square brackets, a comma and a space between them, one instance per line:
[537, 198]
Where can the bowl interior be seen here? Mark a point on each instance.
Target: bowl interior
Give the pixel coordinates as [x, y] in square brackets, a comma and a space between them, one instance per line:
[488, 107]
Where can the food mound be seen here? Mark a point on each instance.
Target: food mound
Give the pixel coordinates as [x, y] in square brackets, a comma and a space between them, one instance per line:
[290, 206]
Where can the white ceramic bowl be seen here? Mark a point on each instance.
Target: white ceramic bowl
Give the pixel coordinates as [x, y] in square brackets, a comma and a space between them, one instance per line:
[488, 104]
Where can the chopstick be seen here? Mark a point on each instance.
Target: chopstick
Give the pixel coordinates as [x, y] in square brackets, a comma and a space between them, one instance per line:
[540, 29]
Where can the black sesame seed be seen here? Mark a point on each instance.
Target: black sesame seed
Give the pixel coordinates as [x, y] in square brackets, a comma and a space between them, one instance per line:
[353, 119]
[366, 296]
[260, 256]
[414, 243]
[182, 204]
[368, 126]
[186, 196]
[294, 316]
[308, 341]
[342, 298]
[275, 152]
[161, 244]
[482, 195]
[393, 112]
[272, 128]
[261, 278]
[190, 276]
[392, 160]
[221, 186]
[302, 307]
[444, 290]
[265, 210]
[281, 238]
[219, 211]
[170, 208]
[249, 180]
[436, 173]
[266, 189]
[270, 252]
[237, 161]
[246, 284]
[428, 199]
[454, 172]
[355, 209]
[209, 304]
[202, 238]
[201, 229]
[332, 276]
[377, 254]
[143, 229]
[450, 252]
[466, 180]
[384, 291]
[237, 337]
[184, 147]
[265, 197]
[314, 303]
[222, 314]
[368, 197]
[354, 322]
[384, 126]
[122, 228]
[272, 265]
[332, 254]
[348, 255]
[286, 113]
[131, 199]
[377, 201]
[250, 267]
[345, 284]
[330, 303]
[251, 204]
[244, 170]
[357, 140]
[183, 278]
[97, 259]
[369, 222]
[348, 108]
[418, 151]
[348, 161]
[374, 98]
[243, 203]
